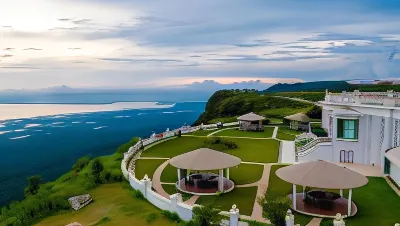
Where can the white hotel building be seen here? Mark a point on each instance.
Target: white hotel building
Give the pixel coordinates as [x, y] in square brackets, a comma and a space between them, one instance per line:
[363, 128]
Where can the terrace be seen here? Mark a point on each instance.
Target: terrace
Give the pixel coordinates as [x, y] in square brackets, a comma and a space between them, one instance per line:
[384, 99]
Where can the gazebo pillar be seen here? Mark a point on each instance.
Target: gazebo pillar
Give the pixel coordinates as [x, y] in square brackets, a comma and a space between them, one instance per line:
[341, 192]
[227, 173]
[294, 197]
[179, 177]
[349, 204]
[221, 180]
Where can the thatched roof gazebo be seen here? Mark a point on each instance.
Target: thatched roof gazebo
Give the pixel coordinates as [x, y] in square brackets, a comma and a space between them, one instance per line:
[325, 175]
[299, 121]
[204, 159]
[250, 121]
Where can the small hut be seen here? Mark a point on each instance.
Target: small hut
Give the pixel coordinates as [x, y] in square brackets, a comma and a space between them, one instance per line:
[299, 121]
[251, 122]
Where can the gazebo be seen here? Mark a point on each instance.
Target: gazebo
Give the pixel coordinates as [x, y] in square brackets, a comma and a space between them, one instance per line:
[251, 121]
[324, 175]
[299, 121]
[200, 162]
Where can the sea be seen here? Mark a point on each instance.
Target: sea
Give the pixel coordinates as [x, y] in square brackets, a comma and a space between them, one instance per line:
[47, 139]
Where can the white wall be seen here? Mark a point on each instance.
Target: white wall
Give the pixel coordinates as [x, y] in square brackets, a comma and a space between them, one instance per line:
[325, 118]
[323, 151]
[395, 173]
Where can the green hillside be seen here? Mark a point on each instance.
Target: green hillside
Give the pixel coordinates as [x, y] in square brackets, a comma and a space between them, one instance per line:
[226, 105]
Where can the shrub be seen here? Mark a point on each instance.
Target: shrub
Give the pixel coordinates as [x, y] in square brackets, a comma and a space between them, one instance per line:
[81, 163]
[105, 176]
[315, 112]
[206, 216]
[97, 167]
[150, 217]
[266, 122]
[33, 185]
[219, 143]
[275, 209]
[116, 175]
[138, 194]
[172, 216]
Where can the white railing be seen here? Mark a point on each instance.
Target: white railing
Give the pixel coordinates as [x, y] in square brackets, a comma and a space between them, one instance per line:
[305, 136]
[389, 98]
[307, 148]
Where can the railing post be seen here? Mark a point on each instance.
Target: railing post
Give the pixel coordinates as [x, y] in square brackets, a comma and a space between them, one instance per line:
[175, 199]
[234, 216]
[289, 219]
[146, 184]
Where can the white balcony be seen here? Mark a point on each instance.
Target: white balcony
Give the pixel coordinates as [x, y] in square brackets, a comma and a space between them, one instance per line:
[386, 99]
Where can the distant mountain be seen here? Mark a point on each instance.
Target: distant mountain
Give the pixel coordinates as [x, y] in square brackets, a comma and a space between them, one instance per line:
[214, 85]
[310, 86]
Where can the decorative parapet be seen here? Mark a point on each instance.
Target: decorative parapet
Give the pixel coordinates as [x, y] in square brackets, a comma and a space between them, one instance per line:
[312, 144]
[387, 99]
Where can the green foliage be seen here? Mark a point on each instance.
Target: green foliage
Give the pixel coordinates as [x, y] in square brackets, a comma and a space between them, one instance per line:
[315, 112]
[310, 86]
[97, 168]
[138, 194]
[172, 216]
[310, 96]
[326, 222]
[206, 216]
[124, 148]
[231, 103]
[219, 143]
[275, 208]
[150, 217]
[33, 185]
[81, 163]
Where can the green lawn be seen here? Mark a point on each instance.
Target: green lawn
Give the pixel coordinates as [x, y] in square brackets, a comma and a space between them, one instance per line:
[246, 173]
[265, 151]
[169, 174]
[171, 148]
[147, 166]
[203, 132]
[237, 133]
[243, 197]
[114, 204]
[285, 133]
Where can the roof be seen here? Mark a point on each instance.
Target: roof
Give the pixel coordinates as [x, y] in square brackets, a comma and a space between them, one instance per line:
[300, 117]
[322, 174]
[394, 155]
[204, 159]
[251, 117]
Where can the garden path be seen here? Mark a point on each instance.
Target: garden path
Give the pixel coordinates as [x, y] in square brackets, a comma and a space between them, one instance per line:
[157, 180]
[315, 222]
[275, 132]
[262, 188]
[287, 152]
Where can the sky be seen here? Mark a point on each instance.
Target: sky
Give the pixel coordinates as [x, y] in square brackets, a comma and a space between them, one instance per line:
[130, 43]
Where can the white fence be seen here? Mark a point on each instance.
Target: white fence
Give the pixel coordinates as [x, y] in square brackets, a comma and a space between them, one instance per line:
[389, 98]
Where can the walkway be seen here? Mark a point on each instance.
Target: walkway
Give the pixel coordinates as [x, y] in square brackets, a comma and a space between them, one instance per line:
[275, 132]
[157, 185]
[287, 152]
[192, 200]
[262, 188]
[315, 222]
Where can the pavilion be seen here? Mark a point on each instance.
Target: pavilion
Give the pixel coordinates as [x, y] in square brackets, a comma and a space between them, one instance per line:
[299, 121]
[251, 121]
[324, 175]
[200, 162]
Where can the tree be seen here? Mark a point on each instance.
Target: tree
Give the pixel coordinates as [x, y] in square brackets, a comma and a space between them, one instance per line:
[275, 209]
[97, 167]
[206, 216]
[33, 185]
[315, 112]
[81, 163]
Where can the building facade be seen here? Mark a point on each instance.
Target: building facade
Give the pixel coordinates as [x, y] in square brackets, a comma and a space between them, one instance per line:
[361, 126]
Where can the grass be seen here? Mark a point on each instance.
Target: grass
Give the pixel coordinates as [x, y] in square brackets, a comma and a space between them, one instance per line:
[147, 166]
[285, 133]
[237, 133]
[203, 132]
[243, 197]
[169, 174]
[246, 173]
[113, 204]
[264, 151]
[171, 189]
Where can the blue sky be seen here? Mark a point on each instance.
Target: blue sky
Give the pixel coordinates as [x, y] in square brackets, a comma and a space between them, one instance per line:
[121, 43]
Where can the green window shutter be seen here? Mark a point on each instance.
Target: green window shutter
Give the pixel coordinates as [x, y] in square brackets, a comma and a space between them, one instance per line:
[340, 128]
[356, 129]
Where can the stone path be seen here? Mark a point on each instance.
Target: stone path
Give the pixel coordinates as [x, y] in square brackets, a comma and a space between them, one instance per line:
[287, 152]
[275, 132]
[315, 222]
[157, 185]
[262, 187]
[192, 200]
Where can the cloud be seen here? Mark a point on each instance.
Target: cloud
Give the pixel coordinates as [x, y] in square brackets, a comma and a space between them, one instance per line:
[6, 55]
[34, 49]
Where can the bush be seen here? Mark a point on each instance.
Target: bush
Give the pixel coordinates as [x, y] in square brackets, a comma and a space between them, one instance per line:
[275, 209]
[172, 216]
[97, 167]
[315, 112]
[116, 175]
[33, 185]
[81, 163]
[266, 122]
[105, 176]
[138, 194]
[219, 143]
[150, 217]
[206, 216]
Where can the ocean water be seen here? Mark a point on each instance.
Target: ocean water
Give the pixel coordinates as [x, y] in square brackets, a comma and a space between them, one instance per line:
[50, 145]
